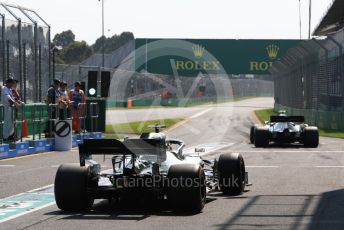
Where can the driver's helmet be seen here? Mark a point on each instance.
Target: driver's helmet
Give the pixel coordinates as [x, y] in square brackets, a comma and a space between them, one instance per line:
[157, 136]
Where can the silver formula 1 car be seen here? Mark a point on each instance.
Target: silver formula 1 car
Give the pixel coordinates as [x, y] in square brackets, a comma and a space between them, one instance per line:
[152, 166]
[283, 129]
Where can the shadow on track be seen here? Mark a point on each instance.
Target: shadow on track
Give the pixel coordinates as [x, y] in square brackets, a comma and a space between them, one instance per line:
[124, 210]
[313, 212]
[284, 146]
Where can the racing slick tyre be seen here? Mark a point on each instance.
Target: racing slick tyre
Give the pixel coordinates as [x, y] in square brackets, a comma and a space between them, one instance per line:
[71, 188]
[186, 190]
[261, 137]
[311, 137]
[252, 129]
[231, 173]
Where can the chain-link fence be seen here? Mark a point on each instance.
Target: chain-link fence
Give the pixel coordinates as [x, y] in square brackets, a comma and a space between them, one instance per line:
[309, 80]
[25, 51]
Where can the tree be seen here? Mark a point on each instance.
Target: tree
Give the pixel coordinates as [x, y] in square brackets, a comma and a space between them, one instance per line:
[64, 38]
[76, 52]
[112, 43]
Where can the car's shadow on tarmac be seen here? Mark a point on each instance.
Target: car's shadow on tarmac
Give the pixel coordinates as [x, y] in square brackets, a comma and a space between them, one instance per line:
[125, 210]
[284, 146]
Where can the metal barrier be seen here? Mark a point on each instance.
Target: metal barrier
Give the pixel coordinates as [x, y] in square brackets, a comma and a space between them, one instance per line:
[65, 113]
[2, 113]
[40, 108]
[53, 115]
[15, 112]
[94, 114]
[38, 117]
[82, 114]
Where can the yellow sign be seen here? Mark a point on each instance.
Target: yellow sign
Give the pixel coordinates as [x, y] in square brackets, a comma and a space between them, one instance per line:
[272, 51]
[198, 51]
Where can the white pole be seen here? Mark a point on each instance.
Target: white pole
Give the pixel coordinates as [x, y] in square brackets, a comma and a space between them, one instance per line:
[310, 19]
[300, 19]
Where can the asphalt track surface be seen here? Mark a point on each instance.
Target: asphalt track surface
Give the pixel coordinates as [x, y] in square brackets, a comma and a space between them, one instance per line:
[293, 187]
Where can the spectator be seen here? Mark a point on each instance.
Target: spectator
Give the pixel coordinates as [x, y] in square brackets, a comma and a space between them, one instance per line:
[64, 102]
[8, 102]
[15, 93]
[77, 96]
[52, 98]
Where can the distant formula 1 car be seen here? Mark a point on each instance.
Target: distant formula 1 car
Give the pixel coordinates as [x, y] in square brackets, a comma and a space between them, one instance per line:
[284, 129]
[151, 166]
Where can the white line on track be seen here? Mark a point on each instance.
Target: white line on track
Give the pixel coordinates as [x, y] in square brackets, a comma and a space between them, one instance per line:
[200, 113]
[330, 166]
[262, 166]
[7, 165]
[290, 151]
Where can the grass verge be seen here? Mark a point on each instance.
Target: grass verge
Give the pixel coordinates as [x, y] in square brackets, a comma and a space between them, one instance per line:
[264, 115]
[118, 131]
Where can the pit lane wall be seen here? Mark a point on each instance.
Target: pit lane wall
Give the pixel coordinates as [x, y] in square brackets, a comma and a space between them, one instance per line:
[31, 127]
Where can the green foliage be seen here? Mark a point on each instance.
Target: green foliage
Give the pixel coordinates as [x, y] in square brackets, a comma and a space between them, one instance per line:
[264, 114]
[64, 38]
[76, 52]
[112, 43]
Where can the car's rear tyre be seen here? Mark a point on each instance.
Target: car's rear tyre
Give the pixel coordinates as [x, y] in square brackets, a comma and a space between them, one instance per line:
[186, 188]
[70, 188]
[231, 173]
[311, 137]
[261, 137]
[252, 130]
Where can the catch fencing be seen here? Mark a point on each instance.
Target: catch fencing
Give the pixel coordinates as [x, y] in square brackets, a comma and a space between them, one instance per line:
[309, 80]
[25, 51]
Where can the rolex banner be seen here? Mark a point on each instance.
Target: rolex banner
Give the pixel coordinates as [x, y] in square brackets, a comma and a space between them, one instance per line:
[189, 57]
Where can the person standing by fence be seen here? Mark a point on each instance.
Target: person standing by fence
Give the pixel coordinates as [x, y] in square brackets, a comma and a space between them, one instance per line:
[77, 96]
[8, 102]
[15, 93]
[52, 98]
[64, 102]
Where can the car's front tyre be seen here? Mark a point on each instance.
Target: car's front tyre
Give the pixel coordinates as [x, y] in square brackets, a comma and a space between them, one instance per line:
[311, 137]
[186, 187]
[231, 173]
[252, 130]
[261, 137]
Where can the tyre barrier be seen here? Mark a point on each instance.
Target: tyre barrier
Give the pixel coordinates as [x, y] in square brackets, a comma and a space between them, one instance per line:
[37, 143]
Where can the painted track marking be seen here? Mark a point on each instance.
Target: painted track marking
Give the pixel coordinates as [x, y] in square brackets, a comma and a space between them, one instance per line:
[200, 113]
[330, 166]
[27, 202]
[262, 166]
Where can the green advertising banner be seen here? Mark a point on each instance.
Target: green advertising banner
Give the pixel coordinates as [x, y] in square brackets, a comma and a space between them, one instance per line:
[189, 57]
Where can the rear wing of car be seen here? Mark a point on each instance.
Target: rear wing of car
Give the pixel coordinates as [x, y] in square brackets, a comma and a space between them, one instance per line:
[298, 119]
[133, 147]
